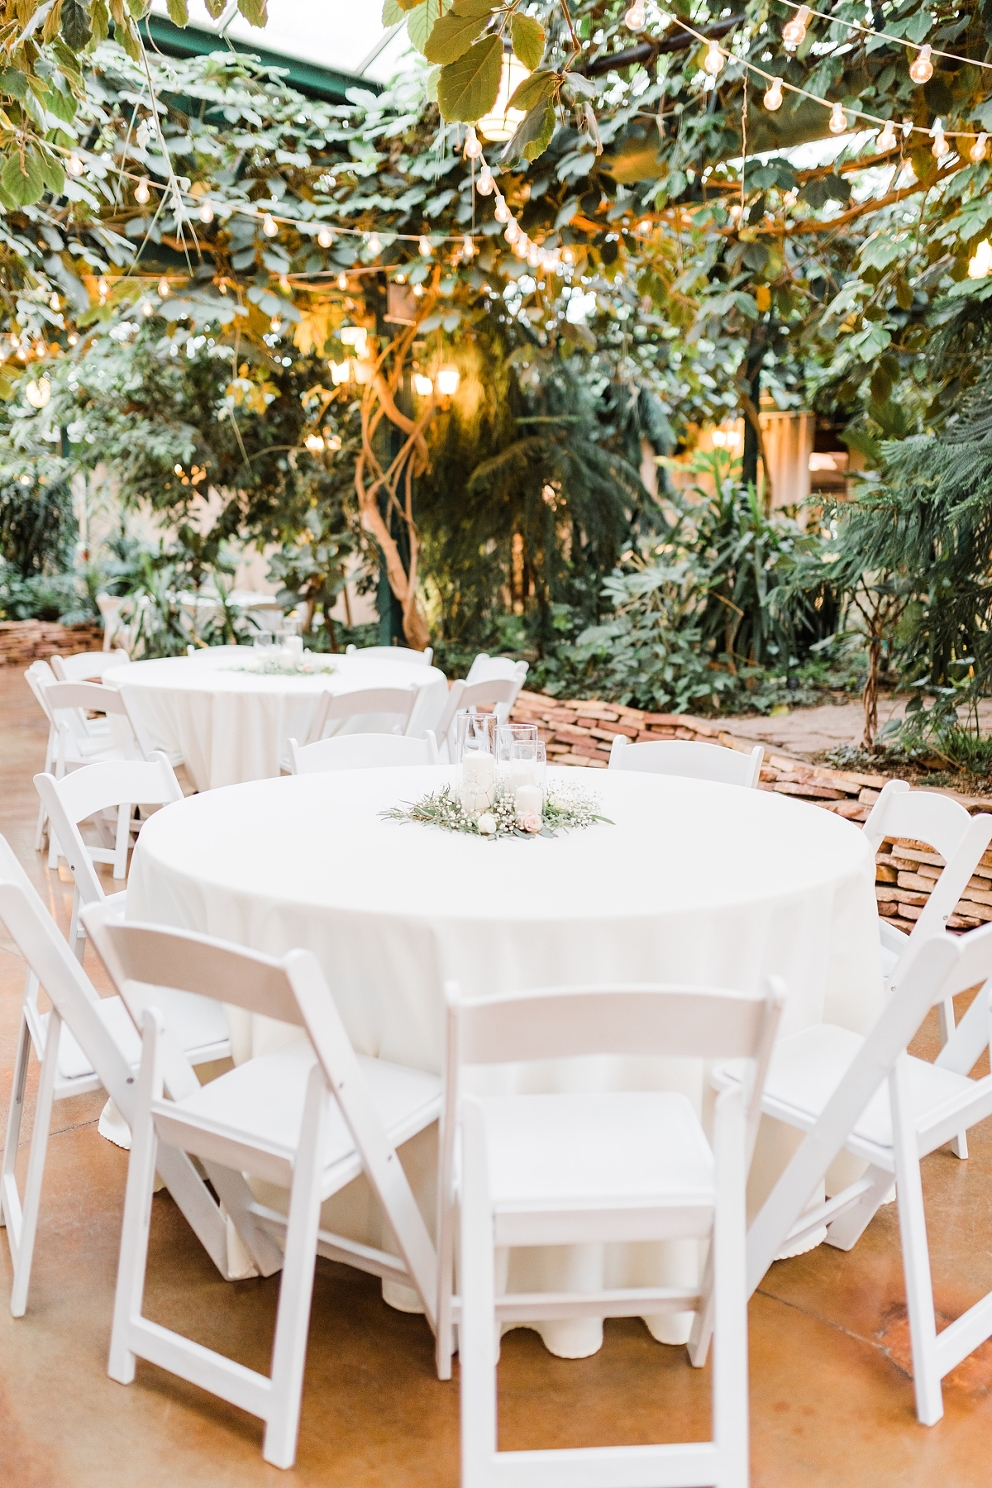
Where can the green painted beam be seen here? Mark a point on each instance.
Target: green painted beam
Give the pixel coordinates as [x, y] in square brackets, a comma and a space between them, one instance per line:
[305, 77]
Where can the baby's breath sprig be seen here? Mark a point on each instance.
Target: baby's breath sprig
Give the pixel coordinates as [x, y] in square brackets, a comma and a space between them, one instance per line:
[565, 809]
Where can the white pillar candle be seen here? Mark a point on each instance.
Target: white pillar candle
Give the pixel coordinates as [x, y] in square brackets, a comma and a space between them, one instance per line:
[478, 781]
[528, 799]
[521, 773]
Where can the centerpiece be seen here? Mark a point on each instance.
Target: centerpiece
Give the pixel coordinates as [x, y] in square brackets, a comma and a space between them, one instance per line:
[502, 791]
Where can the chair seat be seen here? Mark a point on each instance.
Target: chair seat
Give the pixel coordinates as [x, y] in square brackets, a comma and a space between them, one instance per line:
[73, 1064]
[261, 1103]
[203, 1024]
[807, 1067]
[626, 1157]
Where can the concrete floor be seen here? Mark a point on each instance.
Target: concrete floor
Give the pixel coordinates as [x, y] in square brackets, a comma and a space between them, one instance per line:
[831, 1394]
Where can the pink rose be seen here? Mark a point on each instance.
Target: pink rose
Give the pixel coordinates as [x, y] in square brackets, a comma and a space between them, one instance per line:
[529, 822]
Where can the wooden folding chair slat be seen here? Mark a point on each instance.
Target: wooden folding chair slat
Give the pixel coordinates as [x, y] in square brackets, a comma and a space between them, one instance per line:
[398, 702]
[689, 759]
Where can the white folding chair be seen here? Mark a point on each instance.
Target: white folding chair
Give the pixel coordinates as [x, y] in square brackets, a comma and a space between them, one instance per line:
[87, 666]
[361, 752]
[396, 702]
[392, 653]
[497, 693]
[570, 1169]
[486, 668]
[84, 1043]
[109, 606]
[86, 795]
[869, 1096]
[309, 1117]
[690, 760]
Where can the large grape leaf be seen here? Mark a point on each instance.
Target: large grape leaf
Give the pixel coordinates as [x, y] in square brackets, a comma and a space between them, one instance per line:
[527, 36]
[420, 22]
[467, 88]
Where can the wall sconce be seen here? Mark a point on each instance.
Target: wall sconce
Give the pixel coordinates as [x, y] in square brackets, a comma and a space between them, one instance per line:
[448, 379]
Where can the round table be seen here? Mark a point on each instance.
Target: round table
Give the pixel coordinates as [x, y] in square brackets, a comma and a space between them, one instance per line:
[231, 725]
[696, 883]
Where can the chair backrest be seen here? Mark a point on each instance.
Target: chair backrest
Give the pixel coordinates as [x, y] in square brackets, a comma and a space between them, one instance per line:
[95, 788]
[361, 752]
[39, 677]
[486, 668]
[93, 697]
[941, 823]
[393, 653]
[690, 760]
[396, 702]
[499, 693]
[84, 666]
[937, 970]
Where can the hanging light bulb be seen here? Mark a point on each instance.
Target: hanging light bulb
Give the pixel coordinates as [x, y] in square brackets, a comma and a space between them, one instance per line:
[501, 120]
[206, 212]
[422, 385]
[794, 31]
[270, 226]
[980, 266]
[977, 151]
[887, 138]
[342, 281]
[533, 255]
[511, 232]
[485, 185]
[314, 444]
[325, 237]
[373, 246]
[522, 246]
[141, 191]
[468, 247]
[146, 308]
[472, 149]
[53, 303]
[838, 120]
[773, 98]
[340, 372]
[448, 379]
[921, 70]
[426, 246]
[907, 128]
[275, 325]
[163, 287]
[75, 166]
[940, 146]
[636, 17]
[713, 61]
[501, 211]
[38, 392]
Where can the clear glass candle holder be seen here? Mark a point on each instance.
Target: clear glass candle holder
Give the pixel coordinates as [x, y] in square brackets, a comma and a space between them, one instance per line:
[524, 776]
[474, 752]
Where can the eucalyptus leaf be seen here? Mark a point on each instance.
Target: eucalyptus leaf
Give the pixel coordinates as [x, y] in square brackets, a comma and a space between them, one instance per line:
[467, 88]
[527, 36]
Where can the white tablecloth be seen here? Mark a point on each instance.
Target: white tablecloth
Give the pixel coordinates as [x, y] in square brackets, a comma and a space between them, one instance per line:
[231, 725]
[694, 883]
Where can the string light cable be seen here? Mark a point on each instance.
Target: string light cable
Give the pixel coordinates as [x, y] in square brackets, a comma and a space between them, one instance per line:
[898, 41]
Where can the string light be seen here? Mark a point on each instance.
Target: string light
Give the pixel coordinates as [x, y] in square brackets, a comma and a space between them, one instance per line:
[794, 31]
[977, 151]
[501, 211]
[468, 248]
[887, 138]
[426, 246]
[713, 61]
[74, 165]
[533, 255]
[422, 385]
[275, 325]
[53, 303]
[314, 444]
[773, 98]
[838, 120]
[206, 212]
[146, 308]
[141, 191]
[980, 266]
[940, 146]
[907, 128]
[38, 393]
[374, 246]
[163, 288]
[511, 232]
[340, 372]
[270, 226]
[921, 70]
[325, 237]
[342, 281]
[486, 185]
[472, 149]
[636, 17]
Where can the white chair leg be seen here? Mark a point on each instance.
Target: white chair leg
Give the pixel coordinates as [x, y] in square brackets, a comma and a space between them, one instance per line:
[122, 841]
[137, 1218]
[477, 1326]
[730, 1361]
[77, 935]
[296, 1284]
[915, 1254]
[945, 1018]
[36, 1168]
[10, 1203]
[847, 1230]
[702, 1323]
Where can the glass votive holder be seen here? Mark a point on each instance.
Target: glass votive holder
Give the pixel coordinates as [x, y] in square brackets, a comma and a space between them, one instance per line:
[509, 734]
[526, 776]
[474, 752]
[264, 641]
[473, 731]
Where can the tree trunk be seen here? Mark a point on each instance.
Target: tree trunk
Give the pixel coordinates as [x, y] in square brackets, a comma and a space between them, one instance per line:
[869, 697]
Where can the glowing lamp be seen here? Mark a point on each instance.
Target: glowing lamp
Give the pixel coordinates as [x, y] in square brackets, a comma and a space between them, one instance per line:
[502, 121]
[39, 391]
[422, 385]
[921, 70]
[340, 372]
[773, 97]
[448, 379]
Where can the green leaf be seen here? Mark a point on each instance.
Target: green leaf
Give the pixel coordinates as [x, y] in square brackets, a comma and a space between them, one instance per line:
[62, 105]
[178, 12]
[473, 9]
[467, 88]
[215, 9]
[527, 36]
[420, 22]
[408, 4]
[533, 90]
[53, 171]
[99, 21]
[533, 134]
[580, 85]
[452, 35]
[23, 181]
[75, 24]
[432, 81]
[392, 12]
[255, 12]
[13, 83]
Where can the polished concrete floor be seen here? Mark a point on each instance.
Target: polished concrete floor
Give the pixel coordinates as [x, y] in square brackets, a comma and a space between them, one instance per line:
[831, 1392]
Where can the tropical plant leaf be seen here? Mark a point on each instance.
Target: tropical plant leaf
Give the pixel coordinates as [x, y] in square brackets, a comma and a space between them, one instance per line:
[527, 36]
[178, 12]
[467, 88]
[420, 22]
[452, 35]
[533, 133]
[533, 90]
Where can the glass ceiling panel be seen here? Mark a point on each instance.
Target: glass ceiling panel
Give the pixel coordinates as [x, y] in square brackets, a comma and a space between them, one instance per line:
[341, 35]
